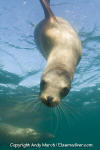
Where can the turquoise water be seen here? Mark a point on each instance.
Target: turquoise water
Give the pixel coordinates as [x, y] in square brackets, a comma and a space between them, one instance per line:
[21, 66]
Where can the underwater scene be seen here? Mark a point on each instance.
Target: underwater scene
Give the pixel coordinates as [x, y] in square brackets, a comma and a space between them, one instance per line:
[75, 122]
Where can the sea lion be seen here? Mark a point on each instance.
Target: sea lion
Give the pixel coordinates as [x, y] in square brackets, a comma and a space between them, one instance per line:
[10, 133]
[20, 124]
[61, 47]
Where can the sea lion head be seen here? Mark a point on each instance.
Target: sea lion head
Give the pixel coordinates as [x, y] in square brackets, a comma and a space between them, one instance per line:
[55, 85]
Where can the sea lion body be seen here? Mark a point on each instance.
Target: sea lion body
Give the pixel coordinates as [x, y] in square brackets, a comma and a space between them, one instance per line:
[61, 47]
[14, 134]
[60, 38]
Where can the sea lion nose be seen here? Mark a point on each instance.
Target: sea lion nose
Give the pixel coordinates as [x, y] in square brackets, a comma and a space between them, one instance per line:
[49, 99]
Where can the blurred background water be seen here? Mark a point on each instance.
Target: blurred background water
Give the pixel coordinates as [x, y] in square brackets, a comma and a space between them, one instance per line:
[21, 66]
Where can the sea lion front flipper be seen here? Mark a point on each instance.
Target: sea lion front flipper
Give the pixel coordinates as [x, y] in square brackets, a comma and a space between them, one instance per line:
[48, 2]
[46, 7]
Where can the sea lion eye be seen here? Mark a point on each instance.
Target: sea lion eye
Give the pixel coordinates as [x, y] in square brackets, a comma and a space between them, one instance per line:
[64, 91]
[42, 85]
